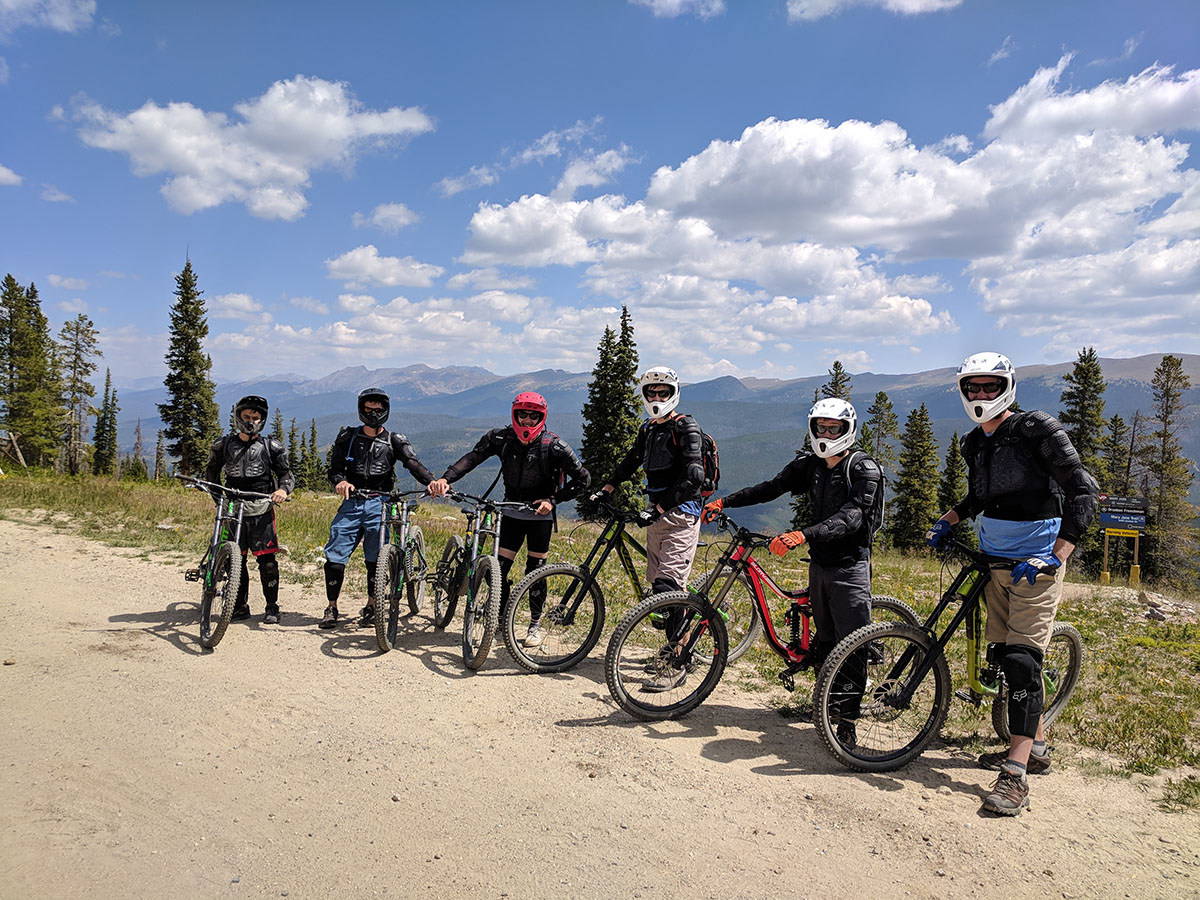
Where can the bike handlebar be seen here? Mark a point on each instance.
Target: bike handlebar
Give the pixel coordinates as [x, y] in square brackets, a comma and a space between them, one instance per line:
[210, 487]
[460, 497]
[744, 535]
[953, 547]
[364, 494]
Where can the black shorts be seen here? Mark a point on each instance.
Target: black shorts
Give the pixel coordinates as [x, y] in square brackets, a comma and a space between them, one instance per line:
[515, 532]
[258, 534]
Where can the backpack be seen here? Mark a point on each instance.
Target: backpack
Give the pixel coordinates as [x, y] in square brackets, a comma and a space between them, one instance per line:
[709, 457]
[875, 517]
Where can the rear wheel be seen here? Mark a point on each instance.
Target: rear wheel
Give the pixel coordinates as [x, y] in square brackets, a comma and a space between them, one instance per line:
[415, 568]
[223, 578]
[889, 609]
[656, 672]
[887, 724]
[1061, 666]
[743, 623]
[480, 612]
[447, 582]
[388, 579]
[569, 619]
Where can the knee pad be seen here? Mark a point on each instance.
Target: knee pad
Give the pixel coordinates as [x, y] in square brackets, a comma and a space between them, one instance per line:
[532, 564]
[268, 570]
[663, 584]
[1022, 668]
[335, 573]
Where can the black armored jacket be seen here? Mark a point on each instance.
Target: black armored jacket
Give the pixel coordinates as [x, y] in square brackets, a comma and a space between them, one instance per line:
[545, 469]
[670, 454]
[842, 499]
[368, 462]
[259, 464]
[1027, 470]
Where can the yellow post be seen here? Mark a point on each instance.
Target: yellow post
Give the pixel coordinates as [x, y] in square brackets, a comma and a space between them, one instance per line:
[1135, 571]
[1104, 574]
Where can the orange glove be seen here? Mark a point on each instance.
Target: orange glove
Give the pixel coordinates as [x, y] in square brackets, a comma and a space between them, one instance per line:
[789, 540]
[712, 510]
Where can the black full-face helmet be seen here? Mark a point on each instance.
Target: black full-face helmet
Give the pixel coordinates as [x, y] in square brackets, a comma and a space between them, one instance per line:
[252, 402]
[372, 418]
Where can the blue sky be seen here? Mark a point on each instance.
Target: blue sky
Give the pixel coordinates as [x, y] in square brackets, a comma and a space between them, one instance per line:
[768, 185]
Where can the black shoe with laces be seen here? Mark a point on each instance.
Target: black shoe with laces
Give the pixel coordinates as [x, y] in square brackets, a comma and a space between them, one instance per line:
[329, 620]
[241, 611]
[847, 735]
[366, 616]
[272, 614]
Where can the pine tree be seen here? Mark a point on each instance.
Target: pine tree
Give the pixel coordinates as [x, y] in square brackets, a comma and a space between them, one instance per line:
[1115, 460]
[277, 431]
[611, 415]
[1169, 544]
[838, 384]
[160, 457]
[135, 467]
[293, 445]
[916, 502]
[315, 474]
[104, 457]
[33, 401]
[1082, 414]
[883, 428]
[79, 338]
[190, 417]
[952, 488]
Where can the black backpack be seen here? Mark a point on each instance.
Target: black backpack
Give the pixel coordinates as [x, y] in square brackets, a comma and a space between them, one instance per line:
[709, 456]
[874, 518]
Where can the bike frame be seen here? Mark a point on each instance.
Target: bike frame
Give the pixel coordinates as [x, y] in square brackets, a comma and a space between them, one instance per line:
[738, 559]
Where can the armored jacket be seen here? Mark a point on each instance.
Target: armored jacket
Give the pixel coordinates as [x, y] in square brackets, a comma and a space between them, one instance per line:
[259, 464]
[545, 469]
[368, 462]
[842, 500]
[1027, 470]
[670, 454]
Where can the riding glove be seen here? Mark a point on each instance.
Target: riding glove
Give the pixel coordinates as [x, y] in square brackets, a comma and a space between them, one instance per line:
[789, 540]
[1035, 566]
[937, 533]
[712, 510]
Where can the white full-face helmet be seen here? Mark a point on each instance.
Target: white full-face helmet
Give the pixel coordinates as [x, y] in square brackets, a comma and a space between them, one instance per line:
[991, 365]
[659, 377]
[826, 445]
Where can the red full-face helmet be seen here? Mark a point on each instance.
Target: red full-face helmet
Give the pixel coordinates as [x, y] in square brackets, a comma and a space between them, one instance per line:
[533, 421]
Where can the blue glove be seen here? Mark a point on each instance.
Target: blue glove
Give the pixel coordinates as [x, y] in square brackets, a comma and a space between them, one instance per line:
[1035, 566]
[937, 533]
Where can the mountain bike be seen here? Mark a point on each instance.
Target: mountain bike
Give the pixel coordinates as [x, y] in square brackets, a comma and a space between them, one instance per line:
[573, 606]
[907, 689]
[667, 654]
[401, 563]
[220, 569]
[466, 568]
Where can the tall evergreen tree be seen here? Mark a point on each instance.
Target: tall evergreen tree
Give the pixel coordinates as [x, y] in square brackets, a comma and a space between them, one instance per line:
[33, 401]
[293, 445]
[189, 416]
[1082, 412]
[104, 456]
[916, 503]
[135, 467]
[1115, 458]
[160, 457]
[884, 429]
[952, 488]
[79, 350]
[12, 309]
[315, 474]
[612, 414]
[277, 431]
[838, 384]
[1170, 544]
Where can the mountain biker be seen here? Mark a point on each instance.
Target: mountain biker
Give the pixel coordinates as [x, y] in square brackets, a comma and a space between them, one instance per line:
[539, 468]
[1036, 499]
[844, 489]
[363, 457]
[668, 448]
[260, 465]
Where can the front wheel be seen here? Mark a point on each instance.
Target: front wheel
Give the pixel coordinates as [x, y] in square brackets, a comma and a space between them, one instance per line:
[743, 622]
[447, 582]
[868, 710]
[222, 580]
[552, 623]
[481, 612]
[656, 672]
[415, 568]
[1061, 666]
[388, 579]
[889, 609]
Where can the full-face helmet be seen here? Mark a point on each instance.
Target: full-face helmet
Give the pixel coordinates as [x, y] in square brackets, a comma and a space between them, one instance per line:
[652, 384]
[533, 421]
[974, 369]
[822, 442]
[373, 418]
[258, 405]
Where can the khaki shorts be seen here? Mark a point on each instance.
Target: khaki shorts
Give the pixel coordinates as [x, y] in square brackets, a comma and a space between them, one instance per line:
[1022, 613]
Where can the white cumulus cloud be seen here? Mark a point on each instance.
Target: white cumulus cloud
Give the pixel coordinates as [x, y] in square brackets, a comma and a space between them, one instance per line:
[52, 194]
[810, 10]
[238, 306]
[389, 217]
[364, 266]
[8, 176]
[67, 283]
[58, 15]
[263, 157]
[671, 9]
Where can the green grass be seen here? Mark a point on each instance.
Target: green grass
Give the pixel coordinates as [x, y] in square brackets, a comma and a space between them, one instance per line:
[1138, 701]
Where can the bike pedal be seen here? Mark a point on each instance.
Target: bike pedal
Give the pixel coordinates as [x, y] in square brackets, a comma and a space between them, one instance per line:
[968, 696]
[788, 679]
[192, 575]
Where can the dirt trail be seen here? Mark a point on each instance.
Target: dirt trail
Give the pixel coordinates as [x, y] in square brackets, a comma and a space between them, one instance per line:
[301, 763]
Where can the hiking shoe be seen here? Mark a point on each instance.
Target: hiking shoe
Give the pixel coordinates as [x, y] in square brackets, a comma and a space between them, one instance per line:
[1038, 765]
[669, 679]
[1010, 794]
[534, 636]
[330, 618]
[272, 614]
[658, 660]
[847, 735]
[241, 611]
[366, 616]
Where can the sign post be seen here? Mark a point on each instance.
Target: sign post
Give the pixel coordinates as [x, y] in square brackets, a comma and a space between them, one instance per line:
[1123, 517]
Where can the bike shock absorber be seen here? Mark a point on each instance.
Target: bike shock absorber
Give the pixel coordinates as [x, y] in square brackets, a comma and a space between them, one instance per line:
[794, 620]
[991, 671]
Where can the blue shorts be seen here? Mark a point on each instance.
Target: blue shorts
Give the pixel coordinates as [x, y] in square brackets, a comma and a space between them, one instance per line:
[356, 520]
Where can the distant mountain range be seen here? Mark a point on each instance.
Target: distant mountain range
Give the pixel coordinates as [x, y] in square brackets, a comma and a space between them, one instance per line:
[758, 423]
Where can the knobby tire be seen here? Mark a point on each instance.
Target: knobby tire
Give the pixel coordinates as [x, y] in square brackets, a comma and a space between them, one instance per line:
[217, 598]
[447, 582]
[481, 612]
[569, 636]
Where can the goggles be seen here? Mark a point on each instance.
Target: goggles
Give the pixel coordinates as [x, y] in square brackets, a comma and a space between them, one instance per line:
[532, 416]
[829, 430]
[657, 392]
[984, 387]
